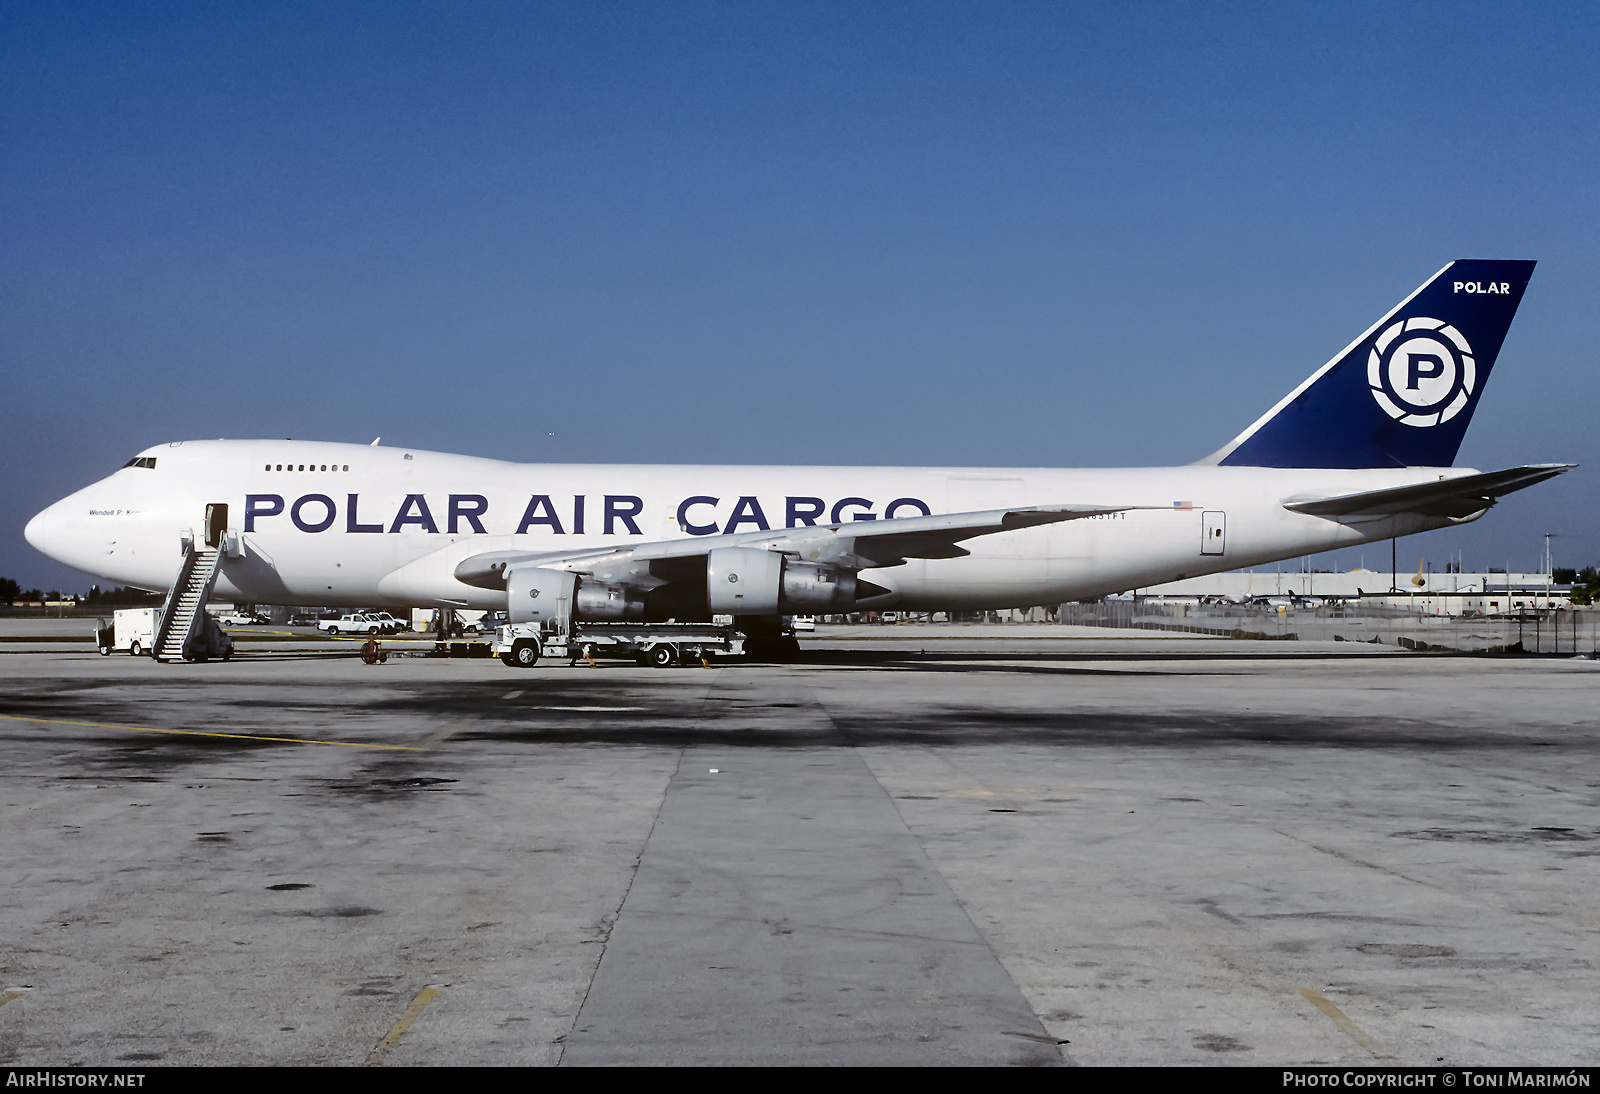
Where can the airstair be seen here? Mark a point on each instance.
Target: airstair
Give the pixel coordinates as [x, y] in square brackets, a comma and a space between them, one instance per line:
[183, 616]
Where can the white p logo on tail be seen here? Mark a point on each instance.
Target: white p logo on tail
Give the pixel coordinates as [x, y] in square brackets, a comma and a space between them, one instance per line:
[1421, 372]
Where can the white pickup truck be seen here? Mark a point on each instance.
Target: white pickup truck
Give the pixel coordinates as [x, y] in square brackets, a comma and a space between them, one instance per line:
[355, 623]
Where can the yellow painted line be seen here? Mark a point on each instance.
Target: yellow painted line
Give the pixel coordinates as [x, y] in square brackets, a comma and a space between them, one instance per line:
[1346, 1026]
[398, 1030]
[201, 733]
[10, 994]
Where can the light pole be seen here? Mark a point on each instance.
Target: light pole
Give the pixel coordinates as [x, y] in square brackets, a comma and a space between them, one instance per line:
[1547, 571]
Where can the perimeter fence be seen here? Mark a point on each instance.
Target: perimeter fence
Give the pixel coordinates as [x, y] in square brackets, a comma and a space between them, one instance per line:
[1570, 631]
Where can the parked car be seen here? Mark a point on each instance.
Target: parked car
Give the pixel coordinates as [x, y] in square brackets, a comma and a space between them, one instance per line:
[389, 623]
[302, 619]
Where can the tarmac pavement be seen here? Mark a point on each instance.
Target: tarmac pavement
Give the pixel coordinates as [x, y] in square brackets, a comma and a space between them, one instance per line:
[1147, 850]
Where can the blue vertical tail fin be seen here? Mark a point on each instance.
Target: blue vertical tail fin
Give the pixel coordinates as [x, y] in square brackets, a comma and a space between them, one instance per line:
[1403, 393]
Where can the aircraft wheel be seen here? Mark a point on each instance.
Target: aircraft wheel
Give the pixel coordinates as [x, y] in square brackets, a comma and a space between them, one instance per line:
[524, 653]
[663, 656]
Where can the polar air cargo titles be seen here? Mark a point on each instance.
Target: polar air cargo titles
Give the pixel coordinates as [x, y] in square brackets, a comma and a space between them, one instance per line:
[1360, 451]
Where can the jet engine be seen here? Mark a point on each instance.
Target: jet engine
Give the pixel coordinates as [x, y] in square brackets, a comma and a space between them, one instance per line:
[535, 594]
[551, 598]
[750, 581]
[739, 581]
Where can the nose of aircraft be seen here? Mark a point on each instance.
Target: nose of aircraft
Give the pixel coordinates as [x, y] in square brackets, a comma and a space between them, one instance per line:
[47, 532]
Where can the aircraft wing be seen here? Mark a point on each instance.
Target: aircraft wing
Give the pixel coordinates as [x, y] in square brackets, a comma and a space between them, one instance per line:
[861, 544]
[1459, 497]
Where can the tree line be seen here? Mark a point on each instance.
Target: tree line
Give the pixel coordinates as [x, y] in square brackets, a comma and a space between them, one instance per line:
[11, 592]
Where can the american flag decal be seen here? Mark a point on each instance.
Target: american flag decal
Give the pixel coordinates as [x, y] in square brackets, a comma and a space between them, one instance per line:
[1183, 505]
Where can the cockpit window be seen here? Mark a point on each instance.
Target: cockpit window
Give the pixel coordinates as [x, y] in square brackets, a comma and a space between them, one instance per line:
[141, 461]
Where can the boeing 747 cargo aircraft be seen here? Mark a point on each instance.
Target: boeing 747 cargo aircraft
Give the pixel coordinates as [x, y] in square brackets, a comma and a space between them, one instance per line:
[1361, 451]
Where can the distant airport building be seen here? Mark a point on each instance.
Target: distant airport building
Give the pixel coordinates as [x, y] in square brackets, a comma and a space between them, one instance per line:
[1444, 594]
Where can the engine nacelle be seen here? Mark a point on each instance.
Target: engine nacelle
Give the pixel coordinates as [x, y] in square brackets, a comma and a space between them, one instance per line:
[597, 600]
[535, 594]
[752, 581]
[743, 581]
[811, 587]
[553, 598]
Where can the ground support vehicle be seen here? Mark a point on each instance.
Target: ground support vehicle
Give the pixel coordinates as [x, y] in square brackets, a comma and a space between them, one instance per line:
[662, 644]
[133, 631]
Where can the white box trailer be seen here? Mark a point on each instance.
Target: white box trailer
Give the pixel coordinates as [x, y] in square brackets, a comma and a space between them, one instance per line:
[132, 630]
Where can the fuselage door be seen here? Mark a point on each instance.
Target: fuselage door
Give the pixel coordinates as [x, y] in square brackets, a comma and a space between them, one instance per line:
[216, 523]
[1212, 538]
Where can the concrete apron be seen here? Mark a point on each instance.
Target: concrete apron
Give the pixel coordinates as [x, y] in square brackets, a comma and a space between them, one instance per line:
[783, 913]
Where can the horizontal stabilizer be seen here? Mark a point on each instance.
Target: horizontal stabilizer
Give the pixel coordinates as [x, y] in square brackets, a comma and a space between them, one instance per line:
[1457, 497]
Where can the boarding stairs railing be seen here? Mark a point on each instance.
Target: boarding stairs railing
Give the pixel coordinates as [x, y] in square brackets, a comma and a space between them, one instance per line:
[183, 615]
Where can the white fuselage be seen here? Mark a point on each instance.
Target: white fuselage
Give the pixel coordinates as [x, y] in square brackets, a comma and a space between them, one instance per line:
[390, 530]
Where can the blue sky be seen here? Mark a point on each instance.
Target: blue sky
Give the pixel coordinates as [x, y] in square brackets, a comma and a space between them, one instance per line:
[962, 234]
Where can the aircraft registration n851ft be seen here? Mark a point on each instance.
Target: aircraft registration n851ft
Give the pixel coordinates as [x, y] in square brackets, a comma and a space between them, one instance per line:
[1361, 451]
